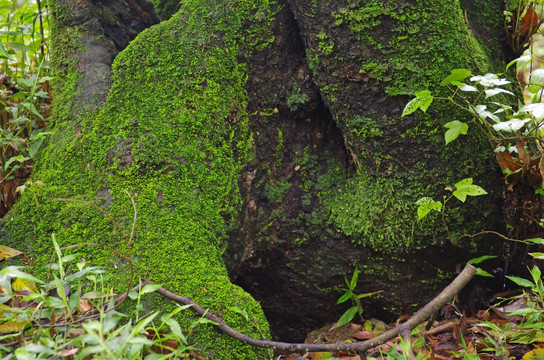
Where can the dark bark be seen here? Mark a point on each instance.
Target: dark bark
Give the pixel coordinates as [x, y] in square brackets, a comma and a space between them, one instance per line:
[293, 253]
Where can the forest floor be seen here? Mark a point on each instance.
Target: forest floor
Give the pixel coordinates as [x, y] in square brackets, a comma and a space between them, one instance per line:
[489, 334]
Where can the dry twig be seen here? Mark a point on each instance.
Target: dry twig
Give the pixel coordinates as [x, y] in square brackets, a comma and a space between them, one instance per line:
[361, 346]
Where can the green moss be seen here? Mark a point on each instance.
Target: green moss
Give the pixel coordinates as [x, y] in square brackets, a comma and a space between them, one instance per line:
[326, 47]
[405, 47]
[420, 47]
[363, 127]
[376, 212]
[173, 132]
[277, 190]
[295, 97]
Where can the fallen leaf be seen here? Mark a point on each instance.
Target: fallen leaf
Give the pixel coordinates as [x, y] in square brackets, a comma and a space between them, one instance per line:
[321, 356]
[68, 352]
[363, 335]
[536, 354]
[506, 161]
[84, 305]
[7, 252]
[523, 154]
[10, 326]
[197, 355]
[24, 285]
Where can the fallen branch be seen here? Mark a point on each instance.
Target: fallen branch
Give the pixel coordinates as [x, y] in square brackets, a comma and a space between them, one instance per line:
[361, 346]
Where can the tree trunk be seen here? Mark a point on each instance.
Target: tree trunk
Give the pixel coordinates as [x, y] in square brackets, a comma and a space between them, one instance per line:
[337, 170]
[266, 139]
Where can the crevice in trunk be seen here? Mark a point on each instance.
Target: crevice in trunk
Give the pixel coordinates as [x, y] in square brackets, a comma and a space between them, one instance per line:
[297, 145]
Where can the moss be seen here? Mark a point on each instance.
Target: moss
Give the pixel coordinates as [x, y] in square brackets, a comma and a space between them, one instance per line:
[404, 47]
[423, 45]
[326, 47]
[377, 212]
[173, 132]
[364, 127]
[277, 190]
[295, 97]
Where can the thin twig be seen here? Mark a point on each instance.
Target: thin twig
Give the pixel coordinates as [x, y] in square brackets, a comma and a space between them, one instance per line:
[493, 233]
[40, 16]
[361, 346]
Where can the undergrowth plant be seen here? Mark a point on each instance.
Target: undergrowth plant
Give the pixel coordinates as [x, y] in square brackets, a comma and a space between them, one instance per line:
[25, 87]
[73, 315]
[356, 308]
[515, 130]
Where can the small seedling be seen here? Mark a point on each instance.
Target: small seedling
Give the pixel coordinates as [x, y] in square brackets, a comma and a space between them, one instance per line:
[356, 308]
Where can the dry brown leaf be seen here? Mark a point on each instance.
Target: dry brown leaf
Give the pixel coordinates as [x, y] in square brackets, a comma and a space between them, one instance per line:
[525, 157]
[363, 335]
[197, 355]
[85, 305]
[506, 161]
[68, 352]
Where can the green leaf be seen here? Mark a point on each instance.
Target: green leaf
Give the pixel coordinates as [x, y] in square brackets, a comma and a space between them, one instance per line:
[422, 101]
[239, 311]
[176, 329]
[511, 125]
[482, 272]
[426, 99]
[203, 320]
[466, 188]
[18, 158]
[539, 241]
[149, 288]
[33, 150]
[344, 297]
[533, 89]
[17, 46]
[480, 259]
[537, 255]
[496, 91]
[522, 60]
[489, 80]
[456, 75]
[464, 87]
[46, 78]
[354, 279]
[455, 128]
[521, 281]
[347, 316]
[3, 50]
[15, 272]
[426, 205]
[411, 107]
[536, 274]
[521, 312]
[142, 324]
[26, 83]
[368, 294]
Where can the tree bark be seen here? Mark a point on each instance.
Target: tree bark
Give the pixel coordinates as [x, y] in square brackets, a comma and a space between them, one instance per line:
[266, 139]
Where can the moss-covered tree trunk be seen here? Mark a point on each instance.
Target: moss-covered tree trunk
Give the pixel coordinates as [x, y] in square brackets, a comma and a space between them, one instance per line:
[337, 170]
[264, 138]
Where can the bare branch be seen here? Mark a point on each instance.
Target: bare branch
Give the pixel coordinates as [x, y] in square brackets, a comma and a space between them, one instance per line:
[361, 346]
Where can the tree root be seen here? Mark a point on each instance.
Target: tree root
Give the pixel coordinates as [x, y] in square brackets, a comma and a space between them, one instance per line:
[359, 347]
